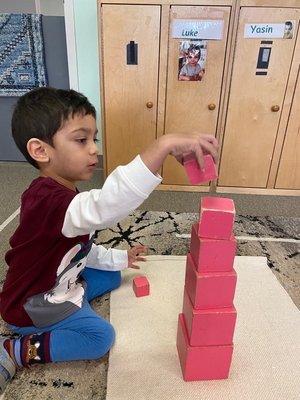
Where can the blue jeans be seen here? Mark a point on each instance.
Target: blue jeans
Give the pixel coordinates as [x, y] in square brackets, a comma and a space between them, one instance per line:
[84, 335]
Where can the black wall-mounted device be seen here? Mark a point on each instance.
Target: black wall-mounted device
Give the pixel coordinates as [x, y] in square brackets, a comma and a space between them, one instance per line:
[263, 59]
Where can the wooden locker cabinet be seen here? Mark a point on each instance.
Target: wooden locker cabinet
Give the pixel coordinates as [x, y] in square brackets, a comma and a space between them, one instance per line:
[254, 117]
[255, 101]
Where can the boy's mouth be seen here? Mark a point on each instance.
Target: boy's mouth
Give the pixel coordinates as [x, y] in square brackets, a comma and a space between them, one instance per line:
[92, 165]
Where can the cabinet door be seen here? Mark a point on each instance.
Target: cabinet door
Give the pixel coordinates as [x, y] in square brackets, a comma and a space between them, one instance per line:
[255, 100]
[129, 122]
[188, 102]
[289, 168]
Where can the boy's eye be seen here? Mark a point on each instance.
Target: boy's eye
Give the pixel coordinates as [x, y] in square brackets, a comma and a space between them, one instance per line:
[82, 141]
[96, 140]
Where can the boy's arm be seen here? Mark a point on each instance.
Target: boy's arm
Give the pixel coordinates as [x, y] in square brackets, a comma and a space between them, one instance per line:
[107, 259]
[176, 145]
[123, 191]
[128, 186]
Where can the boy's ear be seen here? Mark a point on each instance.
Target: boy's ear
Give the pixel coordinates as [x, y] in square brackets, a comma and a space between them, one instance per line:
[37, 150]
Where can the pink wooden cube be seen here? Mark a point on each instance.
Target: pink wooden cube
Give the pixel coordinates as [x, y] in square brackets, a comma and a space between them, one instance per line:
[201, 362]
[212, 255]
[216, 218]
[208, 327]
[195, 174]
[209, 290]
[141, 286]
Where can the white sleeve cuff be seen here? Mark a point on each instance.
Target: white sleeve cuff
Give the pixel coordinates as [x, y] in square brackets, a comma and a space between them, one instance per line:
[141, 179]
[107, 259]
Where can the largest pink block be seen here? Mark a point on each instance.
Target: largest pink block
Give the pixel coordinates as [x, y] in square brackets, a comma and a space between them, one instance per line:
[216, 218]
[209, 290]
[201, 362]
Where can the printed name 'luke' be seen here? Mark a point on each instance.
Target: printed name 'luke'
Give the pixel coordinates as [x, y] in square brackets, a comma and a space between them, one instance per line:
[189, 33]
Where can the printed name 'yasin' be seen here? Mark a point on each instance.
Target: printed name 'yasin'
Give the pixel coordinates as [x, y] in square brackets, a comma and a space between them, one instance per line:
[261, 29]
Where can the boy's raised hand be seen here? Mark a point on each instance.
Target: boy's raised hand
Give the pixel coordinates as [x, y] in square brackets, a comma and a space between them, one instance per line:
[182, 144]
[178, 145]
[134, 255]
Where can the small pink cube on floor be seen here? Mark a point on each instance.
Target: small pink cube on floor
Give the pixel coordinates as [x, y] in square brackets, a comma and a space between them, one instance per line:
[141, 286]
[212, 255]
[195, 174]
[216, 218]
[208, 327]
[201, 362]
[209, 290]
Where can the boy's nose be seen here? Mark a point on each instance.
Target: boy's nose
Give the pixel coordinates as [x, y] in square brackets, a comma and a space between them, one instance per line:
[94, 149]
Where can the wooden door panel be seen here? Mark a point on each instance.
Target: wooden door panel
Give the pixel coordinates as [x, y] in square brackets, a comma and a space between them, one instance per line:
[288, 176]
[251, 125]
[187, 102]
[129, 124]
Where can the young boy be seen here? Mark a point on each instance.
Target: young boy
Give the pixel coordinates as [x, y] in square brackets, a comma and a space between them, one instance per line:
[54, 267]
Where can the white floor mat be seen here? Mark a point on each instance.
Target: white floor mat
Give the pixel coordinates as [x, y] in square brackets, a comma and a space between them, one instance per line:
[144, 364]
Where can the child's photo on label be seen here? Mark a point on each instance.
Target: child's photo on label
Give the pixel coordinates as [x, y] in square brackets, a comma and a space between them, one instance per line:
[192, 60]
[288, 30]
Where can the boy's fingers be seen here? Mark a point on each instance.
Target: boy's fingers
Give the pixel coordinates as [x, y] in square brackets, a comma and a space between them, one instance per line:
[134, 266]
[179, 159]
[210, 149]
[141, 259]
[139, 253]
[141, 250]
[211, 139]
[199, 157]
[141, 247]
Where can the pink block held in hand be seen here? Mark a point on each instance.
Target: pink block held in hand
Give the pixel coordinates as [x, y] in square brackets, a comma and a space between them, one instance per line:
[195, 174]
[141, 286]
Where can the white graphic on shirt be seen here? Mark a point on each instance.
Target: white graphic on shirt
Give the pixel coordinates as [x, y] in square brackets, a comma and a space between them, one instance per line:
[67, 287]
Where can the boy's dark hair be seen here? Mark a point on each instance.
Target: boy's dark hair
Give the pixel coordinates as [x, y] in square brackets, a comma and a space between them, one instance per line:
[289, 24]
[41, 112]
[194, 49]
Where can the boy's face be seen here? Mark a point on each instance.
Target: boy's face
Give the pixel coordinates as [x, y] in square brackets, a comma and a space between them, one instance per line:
[74, 154]
[193, 58]
[287, 28]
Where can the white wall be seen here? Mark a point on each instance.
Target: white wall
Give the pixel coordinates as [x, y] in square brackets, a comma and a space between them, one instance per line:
[83, 52]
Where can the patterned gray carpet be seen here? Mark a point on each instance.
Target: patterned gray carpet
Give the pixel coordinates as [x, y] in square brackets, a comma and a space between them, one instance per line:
[160, 232]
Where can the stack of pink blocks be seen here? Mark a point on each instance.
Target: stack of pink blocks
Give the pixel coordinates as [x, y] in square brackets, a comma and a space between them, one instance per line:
[206, 324]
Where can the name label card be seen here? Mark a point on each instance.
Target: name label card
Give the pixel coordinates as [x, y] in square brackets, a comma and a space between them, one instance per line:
[266, 30]
[197, 29]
